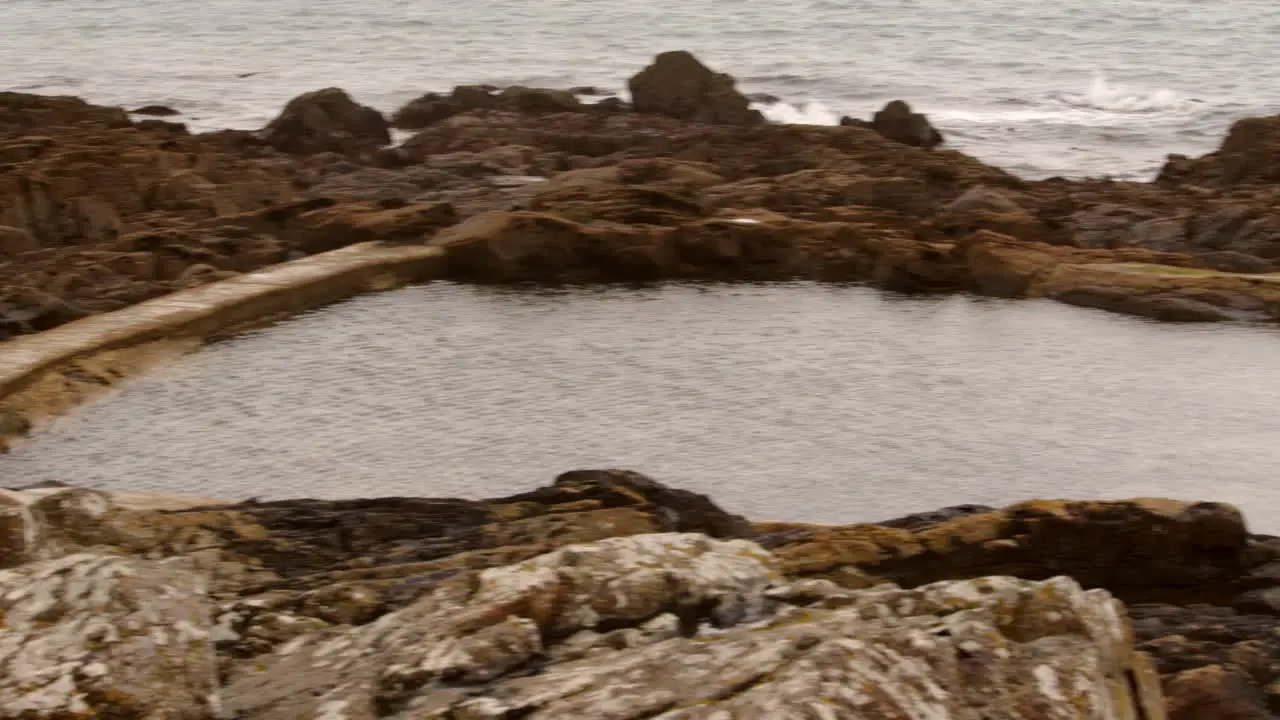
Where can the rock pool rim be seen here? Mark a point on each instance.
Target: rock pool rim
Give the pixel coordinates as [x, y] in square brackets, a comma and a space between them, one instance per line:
[80, 360]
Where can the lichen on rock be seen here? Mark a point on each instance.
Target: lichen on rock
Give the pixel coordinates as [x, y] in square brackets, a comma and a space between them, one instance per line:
[96, 636]
[682, 626]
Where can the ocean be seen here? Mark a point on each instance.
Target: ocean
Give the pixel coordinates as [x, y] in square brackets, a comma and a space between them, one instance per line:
[1070, 88]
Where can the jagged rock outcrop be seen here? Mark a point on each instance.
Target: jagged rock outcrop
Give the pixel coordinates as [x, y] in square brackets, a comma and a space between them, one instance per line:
[1249, 155]
[678, 85]
[687, 627]
[326, 120]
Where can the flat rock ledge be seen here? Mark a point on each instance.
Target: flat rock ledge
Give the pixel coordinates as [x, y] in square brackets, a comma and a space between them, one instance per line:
[610, 595]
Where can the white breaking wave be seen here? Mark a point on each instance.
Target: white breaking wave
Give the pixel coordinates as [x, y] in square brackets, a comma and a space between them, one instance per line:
[810, 113]
[1104, 95]
[1102, 103]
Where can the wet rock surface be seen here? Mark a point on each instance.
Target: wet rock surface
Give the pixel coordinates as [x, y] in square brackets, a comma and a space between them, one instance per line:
[539, 603]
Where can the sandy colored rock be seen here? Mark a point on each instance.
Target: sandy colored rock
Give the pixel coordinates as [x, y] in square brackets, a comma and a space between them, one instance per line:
[96, 636]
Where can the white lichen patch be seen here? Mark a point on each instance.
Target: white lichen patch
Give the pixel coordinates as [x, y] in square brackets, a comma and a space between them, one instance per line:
[89, 635]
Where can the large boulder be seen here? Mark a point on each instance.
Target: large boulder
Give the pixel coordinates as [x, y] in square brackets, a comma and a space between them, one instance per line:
[689, 627]
[679, 85]
[326, 120]
[898, 122]
[97, 636]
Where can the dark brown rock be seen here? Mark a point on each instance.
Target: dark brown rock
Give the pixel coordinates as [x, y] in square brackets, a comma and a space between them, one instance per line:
[16, 240]
[1214, 693]
[423, 111]
[899, 123]
[678, 85]
[1249, 155]
[326, 121]
[23, 113]
[433, 107]
[538, 100]
[155, 111]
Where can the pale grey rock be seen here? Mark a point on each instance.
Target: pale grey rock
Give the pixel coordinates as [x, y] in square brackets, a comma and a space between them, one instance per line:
[682, 626]
[982, 198]
[474, 630]
[89, 635]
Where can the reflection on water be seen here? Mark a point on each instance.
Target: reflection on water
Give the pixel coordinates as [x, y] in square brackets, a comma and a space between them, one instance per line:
[791, 401]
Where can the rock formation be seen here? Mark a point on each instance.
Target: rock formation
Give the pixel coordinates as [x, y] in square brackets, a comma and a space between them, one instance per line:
[98, 212]
[434, 107]
[326, 121]
[608, 594]
[678, 85]
[1249, 155]
[899, 123]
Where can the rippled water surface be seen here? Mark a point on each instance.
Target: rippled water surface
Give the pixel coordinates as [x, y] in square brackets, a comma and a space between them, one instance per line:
[795, 401]
[1041, 88]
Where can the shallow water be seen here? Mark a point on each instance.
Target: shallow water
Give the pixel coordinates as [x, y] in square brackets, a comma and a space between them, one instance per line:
[1074, 87]
[791, 401]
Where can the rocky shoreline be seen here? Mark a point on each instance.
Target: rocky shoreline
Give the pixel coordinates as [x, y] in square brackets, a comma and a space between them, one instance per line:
[99, 210]
[610, 595]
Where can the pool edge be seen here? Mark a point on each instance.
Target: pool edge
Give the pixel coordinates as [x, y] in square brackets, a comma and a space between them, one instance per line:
[46, 374]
